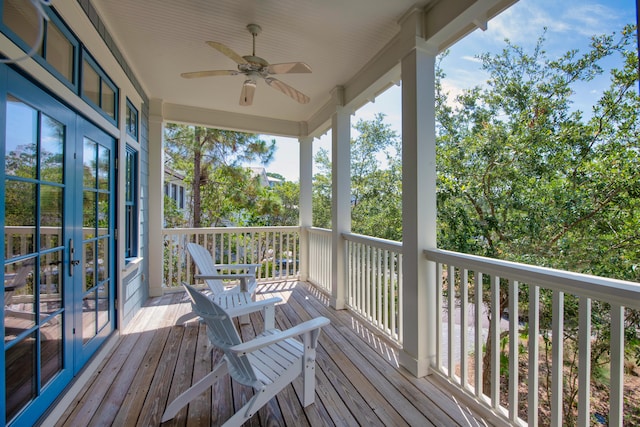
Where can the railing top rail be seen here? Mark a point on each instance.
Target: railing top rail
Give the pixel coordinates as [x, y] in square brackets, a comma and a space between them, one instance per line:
[390, 245]
[601, 288]
[203, 230]
[318, 230]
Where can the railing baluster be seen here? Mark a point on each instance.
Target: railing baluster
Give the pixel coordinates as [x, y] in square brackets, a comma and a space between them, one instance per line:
[169, 251]
[513, 350]
[379, 285]
[495, 341]
[534, 353]
[439, 340]
[478, 311]
[617, 365]
[584, 363]
[464, 328]
[398, 308]
[557, 351]
[361, 276]
[451, 294]
[279, 253]
[385, 291]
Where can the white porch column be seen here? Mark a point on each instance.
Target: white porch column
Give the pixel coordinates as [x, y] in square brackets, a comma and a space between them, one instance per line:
[306, 211]
[418, 210]
[155, 197]
[340, 198]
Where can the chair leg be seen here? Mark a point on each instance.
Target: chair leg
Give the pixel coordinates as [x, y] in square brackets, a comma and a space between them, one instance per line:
[195, 390]
[261, 397]
[309, 379]
[309, 369]
[269, 313]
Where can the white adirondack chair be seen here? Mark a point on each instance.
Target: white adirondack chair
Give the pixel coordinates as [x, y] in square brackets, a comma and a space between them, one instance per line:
[210, 272]
[236, 295]
[267, 363]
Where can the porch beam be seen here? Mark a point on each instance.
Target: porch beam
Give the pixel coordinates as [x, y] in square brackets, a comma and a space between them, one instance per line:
[305, 203]
[232, 121]
[341, 196]
[419, 308]
[156, 196]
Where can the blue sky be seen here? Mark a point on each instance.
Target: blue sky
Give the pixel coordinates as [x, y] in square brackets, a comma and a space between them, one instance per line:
[570, 24]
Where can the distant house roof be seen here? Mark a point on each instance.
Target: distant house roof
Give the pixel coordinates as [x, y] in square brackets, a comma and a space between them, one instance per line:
[173, 173]
[273, 181]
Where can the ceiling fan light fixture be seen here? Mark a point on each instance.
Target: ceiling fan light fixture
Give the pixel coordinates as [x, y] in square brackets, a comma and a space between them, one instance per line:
[250, 82]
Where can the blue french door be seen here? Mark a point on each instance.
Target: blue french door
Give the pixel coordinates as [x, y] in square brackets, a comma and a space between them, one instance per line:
[58, 191]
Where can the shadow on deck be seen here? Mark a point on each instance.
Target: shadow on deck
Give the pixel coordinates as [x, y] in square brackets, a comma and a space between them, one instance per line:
[358, 379]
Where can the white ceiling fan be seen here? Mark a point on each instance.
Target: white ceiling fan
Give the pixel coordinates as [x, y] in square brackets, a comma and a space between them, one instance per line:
[255, 67]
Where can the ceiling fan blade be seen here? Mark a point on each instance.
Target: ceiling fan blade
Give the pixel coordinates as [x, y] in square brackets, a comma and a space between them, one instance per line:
[227, 51]
[248, 89]
[288, 90]
[288, 68]
[210, 73]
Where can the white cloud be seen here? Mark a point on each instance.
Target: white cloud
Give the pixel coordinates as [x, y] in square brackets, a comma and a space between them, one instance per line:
[471, 58]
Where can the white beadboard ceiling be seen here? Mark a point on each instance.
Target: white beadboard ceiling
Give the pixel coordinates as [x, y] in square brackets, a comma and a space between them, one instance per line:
[162, 38]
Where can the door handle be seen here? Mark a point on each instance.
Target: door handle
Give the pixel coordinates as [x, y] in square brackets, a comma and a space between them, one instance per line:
[72, 262]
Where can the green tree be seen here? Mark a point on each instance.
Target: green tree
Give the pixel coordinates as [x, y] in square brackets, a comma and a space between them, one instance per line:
[321, 199]
[211, 160]
[288, 194]
[375, 182]
[524, 176]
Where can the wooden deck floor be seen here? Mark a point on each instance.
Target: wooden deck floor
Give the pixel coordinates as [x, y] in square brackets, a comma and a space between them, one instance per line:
[358, 379]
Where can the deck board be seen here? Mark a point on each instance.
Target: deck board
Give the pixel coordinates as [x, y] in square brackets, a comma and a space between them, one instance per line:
[358, 381]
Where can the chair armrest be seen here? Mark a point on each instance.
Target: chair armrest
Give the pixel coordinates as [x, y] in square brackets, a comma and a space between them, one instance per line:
[250, 268]
[264, 341]
[247, 280]
[225, 276]
[236, 266]
[252, 307]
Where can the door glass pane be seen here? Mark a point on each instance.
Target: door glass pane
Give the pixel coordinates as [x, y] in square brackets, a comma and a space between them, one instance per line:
[51, 349]
[89, 327]
[103, 259]
[50, 215]
[22, 18]
[103, 305]
[50, 282]
[89, 157]
[104, 163]
[20, 375]
[90, 83]
[103, 213]
[88, 261]
[88, 215]
[21, 139]
[19, 309]
[59, 52]
[108, 100]
[51, 150]
[20, 218]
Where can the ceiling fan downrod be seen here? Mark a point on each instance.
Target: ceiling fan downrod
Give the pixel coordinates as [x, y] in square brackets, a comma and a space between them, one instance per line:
[254, 29]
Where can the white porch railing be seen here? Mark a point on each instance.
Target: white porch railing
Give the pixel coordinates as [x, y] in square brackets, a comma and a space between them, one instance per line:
[374, 282]
[473, 347]
[275, 248]
[320, 258]
[527, 329]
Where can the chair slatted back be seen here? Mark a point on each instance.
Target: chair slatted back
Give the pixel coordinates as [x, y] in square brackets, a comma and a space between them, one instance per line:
[204, 261]
[223, 334]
